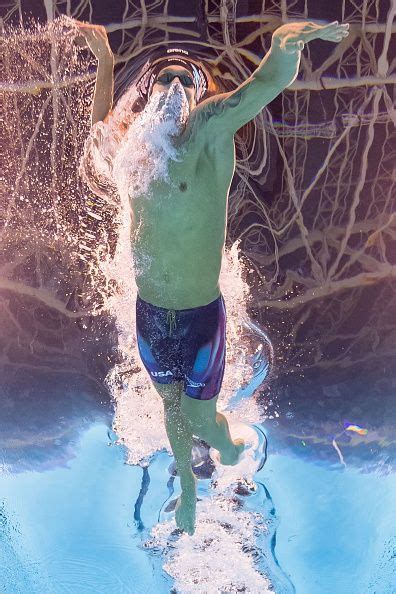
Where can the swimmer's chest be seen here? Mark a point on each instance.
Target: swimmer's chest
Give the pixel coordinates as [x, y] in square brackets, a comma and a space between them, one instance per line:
[192, 204]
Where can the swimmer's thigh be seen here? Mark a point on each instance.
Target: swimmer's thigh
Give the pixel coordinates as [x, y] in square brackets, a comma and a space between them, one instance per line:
[205, 353]
[170, 393]
[200, 413]
[158, 352]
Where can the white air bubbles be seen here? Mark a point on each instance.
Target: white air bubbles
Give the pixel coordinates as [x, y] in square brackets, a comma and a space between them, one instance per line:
[147, 146]
[214, 559]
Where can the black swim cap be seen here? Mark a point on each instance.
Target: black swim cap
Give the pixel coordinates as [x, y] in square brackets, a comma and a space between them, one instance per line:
[180, 56]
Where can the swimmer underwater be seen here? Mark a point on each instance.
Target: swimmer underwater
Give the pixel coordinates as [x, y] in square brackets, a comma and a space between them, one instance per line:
[180, 230]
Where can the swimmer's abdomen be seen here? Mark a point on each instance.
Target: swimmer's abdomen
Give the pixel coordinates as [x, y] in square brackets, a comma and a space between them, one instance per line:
[182, 285]
[177, 244]
[179, 230]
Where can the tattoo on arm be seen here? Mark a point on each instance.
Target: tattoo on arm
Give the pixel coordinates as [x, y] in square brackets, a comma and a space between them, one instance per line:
[236, 108]
[221, 104]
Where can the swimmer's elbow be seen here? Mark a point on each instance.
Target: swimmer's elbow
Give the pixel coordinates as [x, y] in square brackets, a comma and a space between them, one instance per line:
[100, 113]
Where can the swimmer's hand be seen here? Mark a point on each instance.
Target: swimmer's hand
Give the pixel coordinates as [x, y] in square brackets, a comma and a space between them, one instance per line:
[95, 36]
[293, 36]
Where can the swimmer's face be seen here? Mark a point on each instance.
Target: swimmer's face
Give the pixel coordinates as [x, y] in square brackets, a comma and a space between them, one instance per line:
[171, 74]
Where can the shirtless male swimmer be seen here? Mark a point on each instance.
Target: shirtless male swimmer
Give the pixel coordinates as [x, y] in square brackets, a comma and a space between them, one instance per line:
[180, 313]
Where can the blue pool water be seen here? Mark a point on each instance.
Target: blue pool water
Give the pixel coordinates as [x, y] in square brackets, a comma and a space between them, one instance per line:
[80, 527]
[337, 526]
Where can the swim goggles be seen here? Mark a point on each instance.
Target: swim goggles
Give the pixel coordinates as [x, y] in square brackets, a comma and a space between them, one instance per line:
[177, 56]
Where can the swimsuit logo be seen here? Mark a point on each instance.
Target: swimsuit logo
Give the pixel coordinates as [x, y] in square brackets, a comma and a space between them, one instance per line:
[195, 384]
[161, 373]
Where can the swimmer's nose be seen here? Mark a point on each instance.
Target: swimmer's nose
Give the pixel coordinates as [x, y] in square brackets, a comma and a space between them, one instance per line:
[174, 83]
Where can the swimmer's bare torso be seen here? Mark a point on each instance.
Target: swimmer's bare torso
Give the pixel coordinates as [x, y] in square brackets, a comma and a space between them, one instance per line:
[178, 231]
[178, 234]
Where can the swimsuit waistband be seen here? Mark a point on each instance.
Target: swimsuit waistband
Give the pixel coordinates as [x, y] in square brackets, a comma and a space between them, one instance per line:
[165, 309]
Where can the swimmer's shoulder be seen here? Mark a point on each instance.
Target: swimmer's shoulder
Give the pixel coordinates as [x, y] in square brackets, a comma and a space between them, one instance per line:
[203, 127]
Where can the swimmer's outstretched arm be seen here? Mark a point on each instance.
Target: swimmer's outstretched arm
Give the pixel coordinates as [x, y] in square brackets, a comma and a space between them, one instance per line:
[227, 112]
[95, 37]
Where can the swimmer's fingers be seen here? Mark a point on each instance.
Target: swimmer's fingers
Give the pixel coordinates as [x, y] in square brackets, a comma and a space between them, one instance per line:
[333, 32]
[293, 36]
[86, 27]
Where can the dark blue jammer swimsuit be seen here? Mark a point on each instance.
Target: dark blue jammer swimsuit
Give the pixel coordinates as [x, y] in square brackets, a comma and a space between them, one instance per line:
[184, 345]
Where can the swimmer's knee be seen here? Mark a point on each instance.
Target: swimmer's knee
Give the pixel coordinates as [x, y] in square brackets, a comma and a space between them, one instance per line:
[200, 413]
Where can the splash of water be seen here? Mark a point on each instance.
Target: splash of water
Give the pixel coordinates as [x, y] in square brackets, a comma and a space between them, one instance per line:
[146, 148]
[139, 413]
[215, 558]
[221, 535]
[124, 154]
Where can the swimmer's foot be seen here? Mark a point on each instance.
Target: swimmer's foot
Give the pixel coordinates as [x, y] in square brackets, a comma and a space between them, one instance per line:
[185, 512]
[232, 455]
[251, 458]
